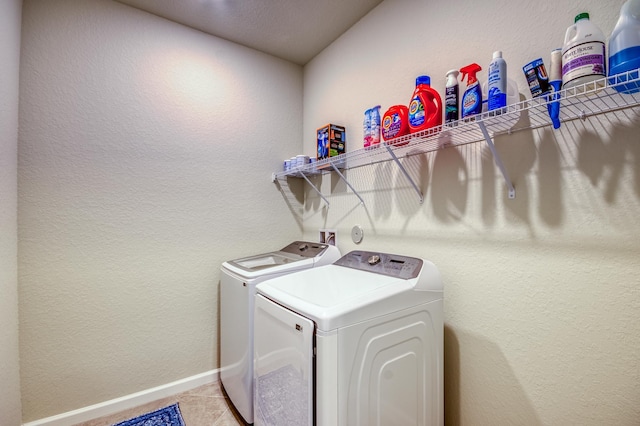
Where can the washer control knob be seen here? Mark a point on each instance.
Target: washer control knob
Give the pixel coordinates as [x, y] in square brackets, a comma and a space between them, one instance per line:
[303, 247]
[373, 260]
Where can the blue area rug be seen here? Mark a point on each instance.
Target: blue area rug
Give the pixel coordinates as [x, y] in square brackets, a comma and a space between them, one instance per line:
[167, 416]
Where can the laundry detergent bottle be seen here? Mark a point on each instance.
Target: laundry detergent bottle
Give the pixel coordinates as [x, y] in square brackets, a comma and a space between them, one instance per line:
[583, 56]
[425, 108]
[395, 124]
[472, 98]
[624, 48]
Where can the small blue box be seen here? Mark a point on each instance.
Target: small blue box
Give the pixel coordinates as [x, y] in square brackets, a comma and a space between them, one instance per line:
[537, 77]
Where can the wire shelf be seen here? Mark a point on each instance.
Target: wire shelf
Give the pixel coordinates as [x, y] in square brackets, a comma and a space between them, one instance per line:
[579, 102]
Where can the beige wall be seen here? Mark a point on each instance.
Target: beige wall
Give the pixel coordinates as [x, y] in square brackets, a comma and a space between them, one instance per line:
[139, 175]
[145, 157]
[10, 410]
[541, 292]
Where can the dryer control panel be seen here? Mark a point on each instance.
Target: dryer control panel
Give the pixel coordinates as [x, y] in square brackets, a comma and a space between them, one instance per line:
[382, 263]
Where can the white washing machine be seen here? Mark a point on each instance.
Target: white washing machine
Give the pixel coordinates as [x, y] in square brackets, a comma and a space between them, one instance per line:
[358, 342]
[237, 294]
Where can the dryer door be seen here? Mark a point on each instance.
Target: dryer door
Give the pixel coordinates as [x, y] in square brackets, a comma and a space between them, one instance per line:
[283, 366]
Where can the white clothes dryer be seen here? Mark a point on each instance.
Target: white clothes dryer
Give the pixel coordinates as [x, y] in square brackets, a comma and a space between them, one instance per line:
[358, 342]
[237, 294]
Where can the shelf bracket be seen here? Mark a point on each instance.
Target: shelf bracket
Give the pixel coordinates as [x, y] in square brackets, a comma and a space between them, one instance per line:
[497, 159]
[314, 187]
[404, 171]
[347, 182]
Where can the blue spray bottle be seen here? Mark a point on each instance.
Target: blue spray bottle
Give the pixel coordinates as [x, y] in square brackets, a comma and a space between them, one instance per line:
[472, 98]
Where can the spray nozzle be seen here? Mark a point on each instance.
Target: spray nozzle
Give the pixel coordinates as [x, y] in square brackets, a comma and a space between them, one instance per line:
[452, 73]
[470, 71]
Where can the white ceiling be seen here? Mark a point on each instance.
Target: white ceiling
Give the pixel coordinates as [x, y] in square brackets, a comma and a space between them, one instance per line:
[295, 30]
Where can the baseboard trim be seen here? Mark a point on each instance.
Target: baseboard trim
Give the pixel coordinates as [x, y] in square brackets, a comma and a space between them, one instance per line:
[128, 401]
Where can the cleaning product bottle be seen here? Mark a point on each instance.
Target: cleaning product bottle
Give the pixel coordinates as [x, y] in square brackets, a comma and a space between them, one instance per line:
[425, 108]
[366, 128]
[555, 81]
[395, 124]
[472, 98]
[451, 111]
[583, 53]
[513, 96]
[497, 96]
[624, 48]
[375, 126]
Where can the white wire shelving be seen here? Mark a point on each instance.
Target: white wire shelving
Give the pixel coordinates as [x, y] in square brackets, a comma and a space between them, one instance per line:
[579, 102]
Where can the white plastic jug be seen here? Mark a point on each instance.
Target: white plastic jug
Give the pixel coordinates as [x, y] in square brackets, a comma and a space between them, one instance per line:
[513, 96]
[583, 53]
[624, 49]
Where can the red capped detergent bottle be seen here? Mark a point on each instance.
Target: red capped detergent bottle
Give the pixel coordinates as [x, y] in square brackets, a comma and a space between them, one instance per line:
[395, 124]
[425, 108]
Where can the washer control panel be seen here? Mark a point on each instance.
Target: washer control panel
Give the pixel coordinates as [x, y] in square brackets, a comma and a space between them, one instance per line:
[382, 263]
[305, 249]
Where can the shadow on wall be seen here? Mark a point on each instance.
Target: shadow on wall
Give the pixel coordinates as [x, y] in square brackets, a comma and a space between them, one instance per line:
[603, 163]
[382, 206]
[600, 154]
[550, 207]
[408, 202]
[519, 154]
[634, 148]
[492, 391]
[293, 194]
[450, 185]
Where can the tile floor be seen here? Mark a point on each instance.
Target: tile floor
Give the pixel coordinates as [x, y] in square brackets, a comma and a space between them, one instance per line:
[203, 406]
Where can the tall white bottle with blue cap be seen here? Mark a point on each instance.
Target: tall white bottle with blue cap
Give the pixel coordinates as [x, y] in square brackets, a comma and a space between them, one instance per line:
[624, 48]
[497, 96]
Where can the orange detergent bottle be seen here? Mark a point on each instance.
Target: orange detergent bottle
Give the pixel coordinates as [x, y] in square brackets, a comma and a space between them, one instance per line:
[425, 108]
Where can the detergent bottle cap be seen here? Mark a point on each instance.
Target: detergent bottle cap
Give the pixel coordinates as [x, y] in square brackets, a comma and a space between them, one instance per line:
[497, 54]
[583, 15]
[423, 79]
[470, 71]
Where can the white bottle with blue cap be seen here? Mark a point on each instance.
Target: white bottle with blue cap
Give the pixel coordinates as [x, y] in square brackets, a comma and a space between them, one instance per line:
[497, 96]
[624, 49]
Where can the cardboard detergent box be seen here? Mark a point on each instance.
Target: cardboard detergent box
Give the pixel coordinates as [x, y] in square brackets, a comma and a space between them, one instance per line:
[331, 141]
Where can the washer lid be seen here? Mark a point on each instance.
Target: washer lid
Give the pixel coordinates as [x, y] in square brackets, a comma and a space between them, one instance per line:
[334, 296]
[266, 263]
[297, 255]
